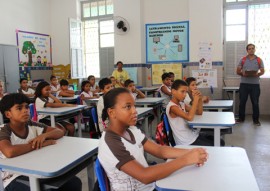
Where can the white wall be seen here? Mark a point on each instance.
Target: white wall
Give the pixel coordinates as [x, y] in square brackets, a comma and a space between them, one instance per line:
[205, 18]
[26, 15]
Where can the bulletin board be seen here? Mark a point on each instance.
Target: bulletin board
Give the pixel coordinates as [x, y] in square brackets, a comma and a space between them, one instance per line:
[34, 49]
[167, 42]
[159, 69]
[133, 74]
[63, 72]
[205, 78]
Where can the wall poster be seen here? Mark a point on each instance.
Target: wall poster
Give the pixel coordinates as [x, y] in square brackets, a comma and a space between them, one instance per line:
[159, 69]
[167, 42]
[205, 78]
[34, 49]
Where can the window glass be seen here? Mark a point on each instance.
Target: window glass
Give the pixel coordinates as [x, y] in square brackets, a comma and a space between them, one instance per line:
[236, 33]
[235, 16]
[101, 7]
[106, 26]
[86, 10]
[109, 7]
[94, 9]
[106, 40]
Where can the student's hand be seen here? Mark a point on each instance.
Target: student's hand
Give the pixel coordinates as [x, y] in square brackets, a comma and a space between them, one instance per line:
[196, 156]
[37, 142]
[70, 105]
[205, 99]
[196, 94]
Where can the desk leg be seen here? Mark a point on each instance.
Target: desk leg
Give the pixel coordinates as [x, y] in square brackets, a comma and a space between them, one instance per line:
[234, 92]
[79, 125]
[217, 137]
[220, 109]
[34, 184]
[91, 175]
[52, 120]
[146, 127]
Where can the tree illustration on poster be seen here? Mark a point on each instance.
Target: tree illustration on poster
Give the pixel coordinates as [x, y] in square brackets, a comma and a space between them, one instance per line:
[34, 49]
[167, 42]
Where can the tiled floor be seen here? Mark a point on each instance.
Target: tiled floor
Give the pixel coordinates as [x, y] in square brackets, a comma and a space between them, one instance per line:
[256, 141]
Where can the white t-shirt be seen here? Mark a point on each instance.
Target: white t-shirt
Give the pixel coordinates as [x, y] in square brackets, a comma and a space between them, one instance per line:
[28, 91]
[34, 129]
[86, 94]
[55, 89]
[115, 151]
[187, 100]
[100, 107]
[41, 103]
[168, 98]
[182, 134]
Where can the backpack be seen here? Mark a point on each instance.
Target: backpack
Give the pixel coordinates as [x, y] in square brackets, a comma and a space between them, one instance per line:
[161, 136]
[244, 60]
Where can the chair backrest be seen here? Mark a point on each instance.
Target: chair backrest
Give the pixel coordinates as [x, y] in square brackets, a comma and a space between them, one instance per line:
[33, 112]
[102, 178]
[79, 101]
[168, 130]
[95, 119]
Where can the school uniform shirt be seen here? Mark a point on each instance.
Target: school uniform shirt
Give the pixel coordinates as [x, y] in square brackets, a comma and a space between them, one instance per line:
[168, 98]
[100, 106]
[187, 100]
[93, 88]
[33, 130]
[55, 89]
[28, 91]
[134, 94]
[182, 134]
[86, 94]
[115, 151]
[41, 102]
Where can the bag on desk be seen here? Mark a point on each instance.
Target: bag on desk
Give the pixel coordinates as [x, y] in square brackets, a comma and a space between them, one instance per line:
[161, 136]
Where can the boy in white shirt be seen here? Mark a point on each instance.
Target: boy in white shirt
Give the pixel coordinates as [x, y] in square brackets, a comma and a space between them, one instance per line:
[24, 88]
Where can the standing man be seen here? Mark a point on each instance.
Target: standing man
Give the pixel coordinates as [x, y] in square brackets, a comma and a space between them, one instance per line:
[250, 68]
[120, 74]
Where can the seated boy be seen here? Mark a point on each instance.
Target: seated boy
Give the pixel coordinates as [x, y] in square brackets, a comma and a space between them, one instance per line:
[115, 83]
[21, 135]
[129, 84]
[55, 86]
[64, 91]
[178, 113]
[105, 85]
[24, 88]
[165, 88]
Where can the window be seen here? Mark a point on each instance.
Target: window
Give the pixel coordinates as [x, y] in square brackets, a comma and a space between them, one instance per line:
[98, 30]
[246, 21]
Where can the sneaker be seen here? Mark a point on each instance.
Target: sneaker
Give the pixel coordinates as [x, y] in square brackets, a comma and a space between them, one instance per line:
[257, 123]
[239, 121]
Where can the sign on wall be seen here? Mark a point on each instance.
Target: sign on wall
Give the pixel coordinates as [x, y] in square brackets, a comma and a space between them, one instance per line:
[34, 49]
[205, 78]
[167, 42]
[159, 69]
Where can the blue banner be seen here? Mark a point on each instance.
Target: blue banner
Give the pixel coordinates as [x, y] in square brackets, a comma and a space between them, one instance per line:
[167, 42]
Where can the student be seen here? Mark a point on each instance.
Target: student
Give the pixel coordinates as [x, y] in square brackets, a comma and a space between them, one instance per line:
[172, 76]
[93, 86]
[44, 98]
[2, 94]
[21, 135]
[105, 86]
[86, 92]
[178, 113]
[129, 84]
[24, 88]
[165, 88]
[55, 86]
[120, 74]
[115, 83]
[192, 86]
[122, 147]
[64, 91]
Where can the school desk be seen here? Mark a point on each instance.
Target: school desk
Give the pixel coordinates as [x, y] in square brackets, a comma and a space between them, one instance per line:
[220, 105]
[69, 154]
[91, 101]
[68, 99]
[142, 112]
[215, 120]
[233, 90]
[54, 112]
[148, 90]
[227, 168]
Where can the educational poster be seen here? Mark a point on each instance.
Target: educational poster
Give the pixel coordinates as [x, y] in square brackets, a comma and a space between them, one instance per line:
[34, 49]
[205, 55]
[132, 72]
[205, 78]
[167, 42]
[159, 69]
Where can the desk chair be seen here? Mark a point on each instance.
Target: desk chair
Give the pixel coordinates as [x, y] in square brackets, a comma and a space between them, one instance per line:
[102, 178]
[95, 119]
[33, 112]
[168, 129]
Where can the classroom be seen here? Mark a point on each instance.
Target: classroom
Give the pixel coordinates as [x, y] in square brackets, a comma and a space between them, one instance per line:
[203, 39]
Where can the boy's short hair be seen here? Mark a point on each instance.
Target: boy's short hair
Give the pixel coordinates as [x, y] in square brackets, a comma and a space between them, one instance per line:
[91, 76]
[103, 82]
[190, 79]
[63, 82]
[9, 100]
[127, 82]
[112, 77]
[22, 79]
[52, 77]
[178, 83]
[165, 75]
[171, 73]
[119, 62]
